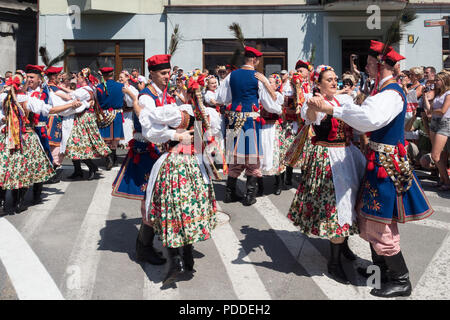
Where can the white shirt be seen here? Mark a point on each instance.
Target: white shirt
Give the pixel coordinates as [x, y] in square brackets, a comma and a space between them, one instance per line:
[375, 113]
[224, 96]
[34, 105]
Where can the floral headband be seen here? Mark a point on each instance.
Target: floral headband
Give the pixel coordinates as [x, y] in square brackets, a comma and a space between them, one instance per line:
[86, 72]
[278, 81]
[321, 69]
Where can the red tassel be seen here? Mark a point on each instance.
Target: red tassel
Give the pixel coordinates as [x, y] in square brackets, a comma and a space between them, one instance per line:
[382, 174]
[371, 155]
[395, 163]
[239, 108]
[401, 150]
[370, 166]
[229, 107]
[136, 158]
[258, 119]
[263, 121]
[334, 127]
[255, 108]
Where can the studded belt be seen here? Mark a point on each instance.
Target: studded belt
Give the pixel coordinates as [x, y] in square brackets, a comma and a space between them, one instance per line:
[381, 147]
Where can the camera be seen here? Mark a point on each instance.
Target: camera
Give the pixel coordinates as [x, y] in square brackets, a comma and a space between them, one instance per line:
[354, 57]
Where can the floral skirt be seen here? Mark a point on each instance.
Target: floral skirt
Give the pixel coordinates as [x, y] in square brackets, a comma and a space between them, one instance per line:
[183, 207]
[314, 207]
[85, 141]
[23, 168]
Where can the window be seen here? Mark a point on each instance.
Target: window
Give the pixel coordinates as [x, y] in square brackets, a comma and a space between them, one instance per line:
[446, 45]
[219, 52]
[120, 54]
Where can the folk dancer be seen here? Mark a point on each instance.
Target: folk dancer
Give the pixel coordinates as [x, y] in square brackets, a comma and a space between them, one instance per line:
[390, 192]
[244, 92]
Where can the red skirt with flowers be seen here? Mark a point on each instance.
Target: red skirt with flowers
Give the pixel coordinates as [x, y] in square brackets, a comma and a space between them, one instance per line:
[85, 141]
[314, 207]
[22, 168]
[183, 207]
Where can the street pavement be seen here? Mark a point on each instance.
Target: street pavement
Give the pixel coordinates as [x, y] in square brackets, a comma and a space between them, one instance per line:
[80, 244]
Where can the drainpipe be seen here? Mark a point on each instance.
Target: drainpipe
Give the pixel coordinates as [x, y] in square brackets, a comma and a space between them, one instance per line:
[37, 32]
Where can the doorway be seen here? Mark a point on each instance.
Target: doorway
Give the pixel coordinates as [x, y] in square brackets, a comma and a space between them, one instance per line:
[360, 47]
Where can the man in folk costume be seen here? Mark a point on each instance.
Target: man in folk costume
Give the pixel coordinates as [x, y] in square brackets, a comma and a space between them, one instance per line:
[390, 192]
[36, 90]
[293, 120]
[243, 91]
[111, 100]
[54, 125]
[153, 96]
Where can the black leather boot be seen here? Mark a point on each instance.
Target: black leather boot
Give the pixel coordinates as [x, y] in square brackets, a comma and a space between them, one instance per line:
[260, 187]
[37, 191]
[114, 157]
[230, 192]
[57, 177]
[250, 197]
[78, 173]
[188, 257]
[278, 184]
[335, 266]
[19, 200]
[377, 261]
[2, 200]
[289, 172]
[109, 162]
[145, 252]
[176, 266]
[92, 169]
[398, 284]
[347, 252]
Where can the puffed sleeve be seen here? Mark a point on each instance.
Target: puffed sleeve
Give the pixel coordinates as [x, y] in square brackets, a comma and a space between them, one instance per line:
[304, 114]
[266, 100]
[38, 106]
[214, 120]
[375, 113]
[224, 92]
[128, 100]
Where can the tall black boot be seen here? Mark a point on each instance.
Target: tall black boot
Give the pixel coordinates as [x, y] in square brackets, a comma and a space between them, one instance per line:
[19, 200]
[92, 169]
[37, 191]
[176, 266]
[109, 162]
[188, 257]
[250, 197]
[289, 172]
[279, 179]
[335, 266]
[377, 261]
[230, 192]
[78, 173]
[2, 200]
[114, 157]
[260, 187]
[398, 284]
[57, 177]
[145, 251]
[347, 252]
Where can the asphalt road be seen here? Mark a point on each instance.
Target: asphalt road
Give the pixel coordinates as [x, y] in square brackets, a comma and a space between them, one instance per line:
[79, 244]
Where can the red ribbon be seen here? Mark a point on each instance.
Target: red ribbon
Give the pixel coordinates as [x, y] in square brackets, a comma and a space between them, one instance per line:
[13, 82]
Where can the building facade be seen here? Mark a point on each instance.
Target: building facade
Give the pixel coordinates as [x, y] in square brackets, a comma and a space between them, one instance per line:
[123, 34]
[18, 34]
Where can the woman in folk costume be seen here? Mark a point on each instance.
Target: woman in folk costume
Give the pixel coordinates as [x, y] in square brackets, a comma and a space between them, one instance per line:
[324, 204]
[124, 78]
[180, 200]
[271, 136]
[23, 161]
[81, 140]
[390, 192]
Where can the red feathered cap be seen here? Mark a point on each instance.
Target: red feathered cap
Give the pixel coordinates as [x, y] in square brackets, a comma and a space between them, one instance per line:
[302, 64]
[53, 70]
[391, 57]
[252, 52]
[159, 62]
[106, 70]
[34, 69]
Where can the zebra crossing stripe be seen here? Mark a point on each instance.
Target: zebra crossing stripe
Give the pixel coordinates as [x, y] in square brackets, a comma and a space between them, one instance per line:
[244, 278]
[83, 261]
[29, 277]
[38, 216]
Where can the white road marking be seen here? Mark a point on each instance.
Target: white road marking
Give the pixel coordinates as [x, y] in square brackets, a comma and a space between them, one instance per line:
[85, 256]
[38, 216]
[245, 280]
[435, 281]
[29, 277]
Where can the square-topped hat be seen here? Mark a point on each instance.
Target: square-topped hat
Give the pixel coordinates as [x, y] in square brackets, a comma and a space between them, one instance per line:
[31, 68]
[252, 52]
[53, 70]
[388, 55]
[106, 70]
[159, 62]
